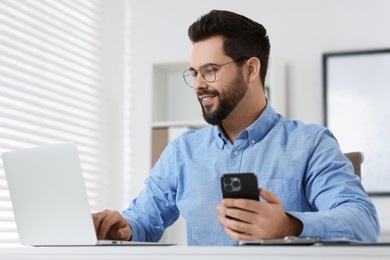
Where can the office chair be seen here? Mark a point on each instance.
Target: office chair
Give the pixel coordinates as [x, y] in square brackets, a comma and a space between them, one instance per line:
[357, 158]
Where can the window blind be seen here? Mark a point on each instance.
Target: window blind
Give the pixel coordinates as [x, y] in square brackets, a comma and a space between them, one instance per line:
[50, 90]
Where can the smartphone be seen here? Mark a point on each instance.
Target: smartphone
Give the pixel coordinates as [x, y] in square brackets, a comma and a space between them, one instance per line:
[240, 185]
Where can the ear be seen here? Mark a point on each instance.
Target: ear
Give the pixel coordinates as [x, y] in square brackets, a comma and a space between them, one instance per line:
[253, 68]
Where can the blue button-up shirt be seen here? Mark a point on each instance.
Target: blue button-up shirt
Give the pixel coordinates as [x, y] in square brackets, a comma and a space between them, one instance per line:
[302, 164]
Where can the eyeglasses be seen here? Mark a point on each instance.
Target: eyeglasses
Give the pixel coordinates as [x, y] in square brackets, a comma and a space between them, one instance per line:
[208, 72]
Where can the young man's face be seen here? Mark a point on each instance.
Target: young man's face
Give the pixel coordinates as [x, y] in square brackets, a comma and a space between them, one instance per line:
[218, 98]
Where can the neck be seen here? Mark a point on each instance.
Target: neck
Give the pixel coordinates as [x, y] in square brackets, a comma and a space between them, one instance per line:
[240, 119]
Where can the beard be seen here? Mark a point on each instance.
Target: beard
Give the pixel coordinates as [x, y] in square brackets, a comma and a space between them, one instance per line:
[228, 100]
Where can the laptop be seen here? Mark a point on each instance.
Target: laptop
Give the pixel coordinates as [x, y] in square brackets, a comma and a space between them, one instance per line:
[49, 198]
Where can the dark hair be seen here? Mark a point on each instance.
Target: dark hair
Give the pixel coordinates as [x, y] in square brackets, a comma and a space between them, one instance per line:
[243, 36]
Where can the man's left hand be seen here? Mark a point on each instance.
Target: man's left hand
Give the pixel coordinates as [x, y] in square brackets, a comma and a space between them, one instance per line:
[255, 220]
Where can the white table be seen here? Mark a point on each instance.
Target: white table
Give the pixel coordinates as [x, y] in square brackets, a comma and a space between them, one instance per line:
[192, 253]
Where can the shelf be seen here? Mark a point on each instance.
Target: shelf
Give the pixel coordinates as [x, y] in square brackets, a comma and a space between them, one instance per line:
[190, 124]
[173, 100]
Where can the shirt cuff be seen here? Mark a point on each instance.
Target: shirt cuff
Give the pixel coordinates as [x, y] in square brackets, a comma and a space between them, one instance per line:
[136, 236]
[310, 226]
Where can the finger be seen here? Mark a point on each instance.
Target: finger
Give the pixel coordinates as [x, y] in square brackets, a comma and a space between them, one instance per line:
[109, 221]
[220, 209]
[234, 223]
[237, 235]
[268, 196]
[241, 215]
[121, 230]
[239, 230]
[124, 233]
[98, 219]
[243, 225]
[243, 204]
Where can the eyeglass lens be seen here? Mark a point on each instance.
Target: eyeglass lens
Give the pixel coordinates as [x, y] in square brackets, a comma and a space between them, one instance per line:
[207, 72]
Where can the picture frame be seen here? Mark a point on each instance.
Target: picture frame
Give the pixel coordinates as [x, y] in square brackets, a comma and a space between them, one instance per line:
[356, 91]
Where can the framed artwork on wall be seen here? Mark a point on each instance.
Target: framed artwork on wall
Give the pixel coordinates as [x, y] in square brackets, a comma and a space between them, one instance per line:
[356, 89]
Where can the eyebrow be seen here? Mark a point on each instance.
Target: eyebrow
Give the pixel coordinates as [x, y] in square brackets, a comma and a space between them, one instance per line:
[206, 64]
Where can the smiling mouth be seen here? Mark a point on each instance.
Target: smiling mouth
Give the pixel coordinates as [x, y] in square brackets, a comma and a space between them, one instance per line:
[206, 99]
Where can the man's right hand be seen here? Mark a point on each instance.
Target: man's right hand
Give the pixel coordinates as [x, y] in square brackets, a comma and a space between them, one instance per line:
[110, 225]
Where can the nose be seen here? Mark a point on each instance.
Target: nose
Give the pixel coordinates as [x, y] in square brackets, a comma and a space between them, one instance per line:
[199, 83]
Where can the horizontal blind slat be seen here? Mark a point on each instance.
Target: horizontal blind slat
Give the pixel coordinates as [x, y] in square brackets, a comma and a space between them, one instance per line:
[56, 125]
[40, 74]
[50, 90]
[27, 21]
[48, 43]
[59, 67]
[73, 9]
[12, 81]
[54, 112]
[8, 38]
[85, 8]
[49, 99]
[39, 10]
[5, 204]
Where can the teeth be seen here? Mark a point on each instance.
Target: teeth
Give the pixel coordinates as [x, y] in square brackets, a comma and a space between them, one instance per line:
[206, 98]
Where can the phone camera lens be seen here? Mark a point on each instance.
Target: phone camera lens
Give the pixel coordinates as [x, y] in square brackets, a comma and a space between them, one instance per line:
[228, 188]
[232, 184]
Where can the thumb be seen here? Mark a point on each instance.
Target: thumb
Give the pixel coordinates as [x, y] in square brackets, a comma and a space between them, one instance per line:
[120, 234]
[269, 196]
[124, 233]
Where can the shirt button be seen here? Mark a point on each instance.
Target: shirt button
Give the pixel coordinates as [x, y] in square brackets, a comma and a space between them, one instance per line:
[253, 141]
[236, 153]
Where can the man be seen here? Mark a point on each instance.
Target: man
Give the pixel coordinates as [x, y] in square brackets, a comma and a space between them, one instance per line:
[307, 186]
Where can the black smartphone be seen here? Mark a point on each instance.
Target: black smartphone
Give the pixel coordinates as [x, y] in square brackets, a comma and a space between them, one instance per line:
[240, 185]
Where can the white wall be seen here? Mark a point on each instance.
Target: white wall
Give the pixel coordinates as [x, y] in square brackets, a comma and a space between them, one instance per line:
[113, 77]
[300, 31]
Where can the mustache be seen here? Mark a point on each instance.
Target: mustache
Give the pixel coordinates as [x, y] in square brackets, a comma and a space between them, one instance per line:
[207, 92]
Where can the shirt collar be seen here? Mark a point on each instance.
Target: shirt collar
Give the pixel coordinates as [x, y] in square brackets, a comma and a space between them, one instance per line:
[255, 132]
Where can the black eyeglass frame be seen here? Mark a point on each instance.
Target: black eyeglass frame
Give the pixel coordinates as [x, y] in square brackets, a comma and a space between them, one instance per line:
[190, 72]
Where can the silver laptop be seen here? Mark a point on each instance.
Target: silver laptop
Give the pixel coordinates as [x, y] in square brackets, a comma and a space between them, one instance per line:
[49, 198]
